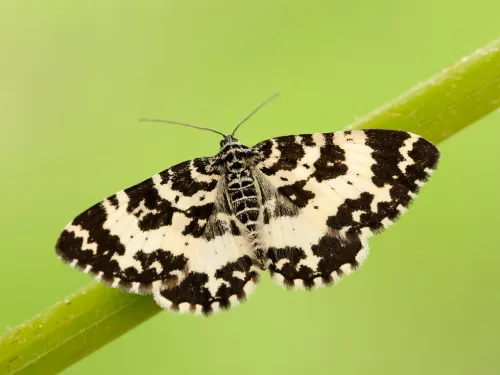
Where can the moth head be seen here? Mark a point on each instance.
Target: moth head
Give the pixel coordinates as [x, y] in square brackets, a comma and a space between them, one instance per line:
[228, 139]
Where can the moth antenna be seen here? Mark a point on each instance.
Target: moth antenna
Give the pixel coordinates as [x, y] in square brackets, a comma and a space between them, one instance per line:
[179, 123]
[255, 110]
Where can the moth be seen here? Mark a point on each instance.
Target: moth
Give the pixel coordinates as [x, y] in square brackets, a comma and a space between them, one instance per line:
[197, 235]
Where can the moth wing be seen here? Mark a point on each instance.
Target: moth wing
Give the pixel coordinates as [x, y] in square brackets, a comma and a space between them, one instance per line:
[169, 235]
[221, 271]
[324, 194]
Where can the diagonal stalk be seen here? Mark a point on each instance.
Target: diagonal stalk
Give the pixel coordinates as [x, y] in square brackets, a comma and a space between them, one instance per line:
[96, 315]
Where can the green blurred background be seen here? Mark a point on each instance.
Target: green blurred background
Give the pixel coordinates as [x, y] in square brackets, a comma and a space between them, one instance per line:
[75, 76]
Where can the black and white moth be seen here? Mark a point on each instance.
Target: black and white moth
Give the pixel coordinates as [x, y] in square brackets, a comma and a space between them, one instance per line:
[198, 234]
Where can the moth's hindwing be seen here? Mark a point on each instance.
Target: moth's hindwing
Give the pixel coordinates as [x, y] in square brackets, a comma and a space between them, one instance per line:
[344, 187]
[170, 235]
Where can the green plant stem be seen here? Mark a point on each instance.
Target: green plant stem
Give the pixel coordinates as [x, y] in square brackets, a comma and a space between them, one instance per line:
[96, 315]
[446, 103]
[72, 329]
